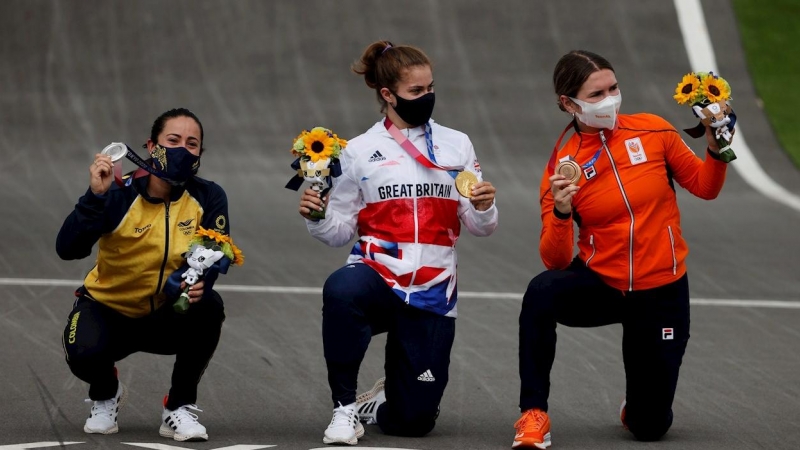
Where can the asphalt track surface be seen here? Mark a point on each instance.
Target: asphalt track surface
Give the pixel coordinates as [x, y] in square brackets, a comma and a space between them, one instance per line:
[76, 75]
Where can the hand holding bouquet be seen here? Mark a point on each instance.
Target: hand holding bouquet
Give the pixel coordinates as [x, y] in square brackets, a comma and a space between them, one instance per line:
[708, 95]
[206, 248]
[318, 153]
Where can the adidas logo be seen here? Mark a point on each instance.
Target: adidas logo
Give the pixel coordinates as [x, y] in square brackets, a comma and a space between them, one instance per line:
[376, 157]
[368, 408]
[426, 376]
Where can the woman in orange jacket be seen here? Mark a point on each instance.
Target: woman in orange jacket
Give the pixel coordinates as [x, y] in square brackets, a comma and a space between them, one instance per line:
[630, 267]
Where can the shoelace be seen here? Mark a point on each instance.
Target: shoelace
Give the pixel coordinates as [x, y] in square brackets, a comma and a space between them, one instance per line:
[344, 417]
[537, 416]
[183, 415]
[103, 407]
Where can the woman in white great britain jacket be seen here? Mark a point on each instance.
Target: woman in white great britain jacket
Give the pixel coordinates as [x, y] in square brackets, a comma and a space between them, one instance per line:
[398, 191]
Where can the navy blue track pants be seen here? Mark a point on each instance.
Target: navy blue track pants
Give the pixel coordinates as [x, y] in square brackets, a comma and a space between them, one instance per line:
[97, 336]
[655, 326]
[358, 304]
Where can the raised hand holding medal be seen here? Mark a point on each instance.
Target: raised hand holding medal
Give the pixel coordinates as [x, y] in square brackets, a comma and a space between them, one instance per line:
[101, 173]
[564, 175]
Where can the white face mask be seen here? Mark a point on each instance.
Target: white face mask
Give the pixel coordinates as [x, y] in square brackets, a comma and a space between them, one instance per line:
[602, 114]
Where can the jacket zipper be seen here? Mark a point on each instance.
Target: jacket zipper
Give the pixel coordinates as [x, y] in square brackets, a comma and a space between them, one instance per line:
[591, 242]
[164, 261]
[672, 247]
[628, 206]
[416, 231]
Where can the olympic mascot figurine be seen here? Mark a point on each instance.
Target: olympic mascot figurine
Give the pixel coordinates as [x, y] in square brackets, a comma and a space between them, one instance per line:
[200, 259]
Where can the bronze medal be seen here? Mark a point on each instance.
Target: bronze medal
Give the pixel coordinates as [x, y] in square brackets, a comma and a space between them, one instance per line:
[570, 169]
[464, 182]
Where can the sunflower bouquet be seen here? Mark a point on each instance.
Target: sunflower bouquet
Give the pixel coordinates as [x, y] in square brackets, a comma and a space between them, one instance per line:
[206, 248]
[708, 95]
[317, 151]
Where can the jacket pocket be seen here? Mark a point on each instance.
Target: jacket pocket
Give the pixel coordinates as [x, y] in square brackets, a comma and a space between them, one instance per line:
[594, 250]
[672, 250]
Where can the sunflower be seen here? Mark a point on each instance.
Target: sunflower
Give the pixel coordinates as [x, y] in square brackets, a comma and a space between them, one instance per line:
[341, 143]
[687, 89]
[238, 257]
[209, 238]
[202, 233]
[715, 88]
[318, 144]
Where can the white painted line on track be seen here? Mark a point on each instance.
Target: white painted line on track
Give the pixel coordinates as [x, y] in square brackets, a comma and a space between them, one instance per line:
[36, 445]
[702, 59]
[175, 447]
[365, 448]
[785, 304]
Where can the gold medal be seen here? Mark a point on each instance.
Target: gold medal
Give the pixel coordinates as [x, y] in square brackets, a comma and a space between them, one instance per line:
[464, 182]
[570, 169]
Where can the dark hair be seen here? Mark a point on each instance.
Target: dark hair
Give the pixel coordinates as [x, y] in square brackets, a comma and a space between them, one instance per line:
[158, 125]
[573, 69]
[382, 65]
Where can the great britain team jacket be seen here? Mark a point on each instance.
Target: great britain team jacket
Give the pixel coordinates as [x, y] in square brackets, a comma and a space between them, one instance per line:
[626, 209]
[407, 216]
[142, 239]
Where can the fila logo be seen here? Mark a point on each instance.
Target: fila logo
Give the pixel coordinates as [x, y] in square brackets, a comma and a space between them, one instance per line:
[667, 334]
[143, 229]
[589, 172]
[426, 376]
[376, 157]
[635, 151]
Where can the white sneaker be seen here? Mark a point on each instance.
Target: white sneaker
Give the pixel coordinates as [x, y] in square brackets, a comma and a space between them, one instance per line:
[345, 427]
[367, 403]
[182, 425]
[103, 417]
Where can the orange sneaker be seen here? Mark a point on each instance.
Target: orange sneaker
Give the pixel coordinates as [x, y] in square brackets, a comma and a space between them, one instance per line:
[533, 430]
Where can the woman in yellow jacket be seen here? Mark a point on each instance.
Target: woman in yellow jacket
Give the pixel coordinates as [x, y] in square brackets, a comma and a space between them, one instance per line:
[630, 267]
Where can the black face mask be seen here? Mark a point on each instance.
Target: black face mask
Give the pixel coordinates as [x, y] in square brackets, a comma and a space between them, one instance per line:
[415, 112]
[176, 163]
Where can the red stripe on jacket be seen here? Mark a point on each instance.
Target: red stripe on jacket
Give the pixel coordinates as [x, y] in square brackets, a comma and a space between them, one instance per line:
[393, 220]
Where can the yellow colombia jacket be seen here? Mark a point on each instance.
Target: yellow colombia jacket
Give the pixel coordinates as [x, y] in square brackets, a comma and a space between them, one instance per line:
[141, 239]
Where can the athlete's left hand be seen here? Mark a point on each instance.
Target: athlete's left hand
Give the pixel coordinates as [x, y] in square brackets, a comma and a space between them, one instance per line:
[712, 140]
[195, 291]
[482, 195]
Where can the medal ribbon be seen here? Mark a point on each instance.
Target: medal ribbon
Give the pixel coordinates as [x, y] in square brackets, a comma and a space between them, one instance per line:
[409, 147]
[551, 165]
[144, 169]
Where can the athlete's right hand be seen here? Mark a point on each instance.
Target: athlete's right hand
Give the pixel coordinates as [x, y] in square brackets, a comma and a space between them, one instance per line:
[311, 199]
[101, 174]
[563, 191]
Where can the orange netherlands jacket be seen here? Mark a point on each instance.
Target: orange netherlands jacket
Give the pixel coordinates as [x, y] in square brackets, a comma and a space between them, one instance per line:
[629, 229]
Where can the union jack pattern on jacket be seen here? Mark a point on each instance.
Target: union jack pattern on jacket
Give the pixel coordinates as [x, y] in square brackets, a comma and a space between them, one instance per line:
[407, 216]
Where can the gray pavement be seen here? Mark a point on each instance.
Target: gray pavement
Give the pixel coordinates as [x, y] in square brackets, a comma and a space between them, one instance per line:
[77, 75]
